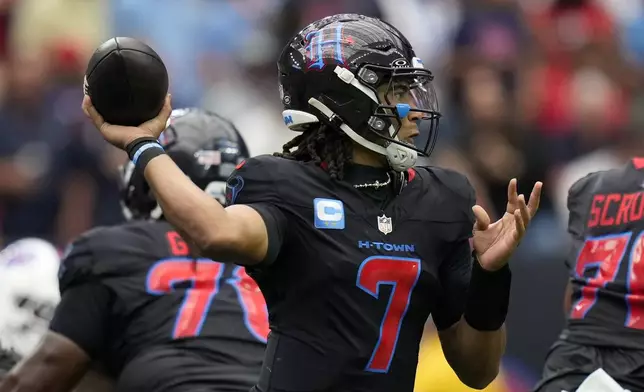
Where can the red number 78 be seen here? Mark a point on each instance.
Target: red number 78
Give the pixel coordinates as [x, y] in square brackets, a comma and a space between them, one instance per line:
[606, 254]
[205, 278]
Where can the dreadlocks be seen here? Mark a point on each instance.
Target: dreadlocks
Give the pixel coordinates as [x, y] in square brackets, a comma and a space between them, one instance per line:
[323, 144]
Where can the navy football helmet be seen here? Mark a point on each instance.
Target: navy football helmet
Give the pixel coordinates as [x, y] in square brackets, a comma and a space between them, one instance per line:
[361, 75]
[204, 145]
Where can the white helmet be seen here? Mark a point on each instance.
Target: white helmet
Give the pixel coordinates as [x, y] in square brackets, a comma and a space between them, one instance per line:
[28, 293]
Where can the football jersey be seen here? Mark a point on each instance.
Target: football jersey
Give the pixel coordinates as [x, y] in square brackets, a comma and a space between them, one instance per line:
[353, 284]
[606, 266]
[164, 299]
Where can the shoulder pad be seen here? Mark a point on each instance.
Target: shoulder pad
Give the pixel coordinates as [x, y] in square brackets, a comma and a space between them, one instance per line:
[581, 193]
[576, 201]
[455, 187]
[77, 261]
[255, 180]
[100, 252]
[582, 185]
[451, 198]
[456, 182]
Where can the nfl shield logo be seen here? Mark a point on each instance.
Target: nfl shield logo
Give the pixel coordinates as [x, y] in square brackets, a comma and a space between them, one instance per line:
[384, 224]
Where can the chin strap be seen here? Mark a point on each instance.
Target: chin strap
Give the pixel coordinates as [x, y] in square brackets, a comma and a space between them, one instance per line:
[400, 158]
[331, 117]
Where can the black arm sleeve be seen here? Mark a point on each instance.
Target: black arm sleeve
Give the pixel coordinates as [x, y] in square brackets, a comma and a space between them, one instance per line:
[82, 316]
[276, 224]
[254, 183]
[456, 269]
[455, 279]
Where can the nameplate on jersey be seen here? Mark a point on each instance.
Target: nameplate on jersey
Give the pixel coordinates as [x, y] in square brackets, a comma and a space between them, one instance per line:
[328, 214]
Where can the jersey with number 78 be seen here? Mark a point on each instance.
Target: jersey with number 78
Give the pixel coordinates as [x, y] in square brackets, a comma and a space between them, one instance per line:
[607, 270]
[353, 285]
[163, 300]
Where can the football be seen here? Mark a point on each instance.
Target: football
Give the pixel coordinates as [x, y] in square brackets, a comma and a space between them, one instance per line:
[127, 81]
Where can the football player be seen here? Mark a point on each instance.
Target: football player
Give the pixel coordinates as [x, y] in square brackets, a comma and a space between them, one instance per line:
[604, 301]
[140, 301]
[351, 245]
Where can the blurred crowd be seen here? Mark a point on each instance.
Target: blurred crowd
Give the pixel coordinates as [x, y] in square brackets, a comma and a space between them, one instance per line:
[535, 89]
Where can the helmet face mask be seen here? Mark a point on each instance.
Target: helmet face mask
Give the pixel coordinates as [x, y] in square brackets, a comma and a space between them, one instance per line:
[403, 92]
[360, 75]
[205, 146]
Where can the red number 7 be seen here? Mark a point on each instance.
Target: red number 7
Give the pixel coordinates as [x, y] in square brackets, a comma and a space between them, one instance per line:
[402, 273]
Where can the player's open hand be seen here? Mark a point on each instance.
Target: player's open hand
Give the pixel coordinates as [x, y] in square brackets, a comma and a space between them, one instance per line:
[495, 242]
[120, 136]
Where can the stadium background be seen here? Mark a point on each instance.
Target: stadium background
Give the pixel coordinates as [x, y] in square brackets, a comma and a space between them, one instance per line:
[529, 88]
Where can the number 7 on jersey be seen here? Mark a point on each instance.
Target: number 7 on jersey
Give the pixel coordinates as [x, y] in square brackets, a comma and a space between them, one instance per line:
[401, 273]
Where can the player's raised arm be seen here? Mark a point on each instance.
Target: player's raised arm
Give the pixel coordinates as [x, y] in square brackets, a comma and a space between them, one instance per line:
[474, 343]
[235, 234]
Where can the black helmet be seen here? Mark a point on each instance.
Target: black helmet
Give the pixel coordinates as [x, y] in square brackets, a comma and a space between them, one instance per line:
[344, 70]
[205, 146]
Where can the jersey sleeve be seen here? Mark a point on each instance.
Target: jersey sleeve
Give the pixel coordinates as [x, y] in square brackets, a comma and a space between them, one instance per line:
[103, 253]
[576, 208]
[253, 181]
[456, 268]
[577, 216]
[76, 264]
[253, 184]
[82, 316]
[457, 197]
[455, 279]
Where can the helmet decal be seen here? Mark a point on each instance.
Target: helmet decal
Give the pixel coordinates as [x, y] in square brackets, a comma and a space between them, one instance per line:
[319, 41]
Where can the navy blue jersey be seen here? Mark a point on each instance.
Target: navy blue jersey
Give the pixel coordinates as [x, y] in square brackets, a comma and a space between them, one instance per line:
[135, 299]
[355, 281]
[606, 267]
